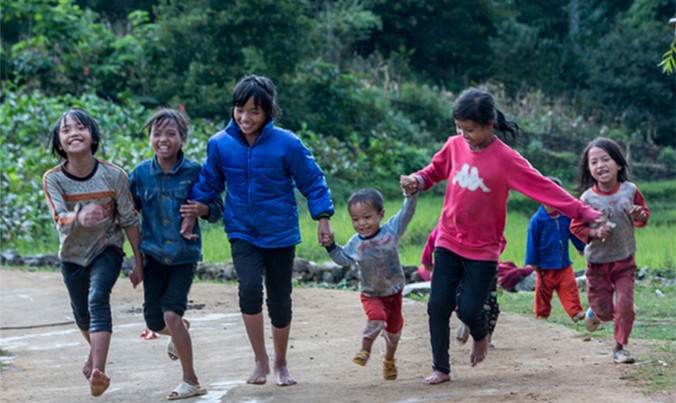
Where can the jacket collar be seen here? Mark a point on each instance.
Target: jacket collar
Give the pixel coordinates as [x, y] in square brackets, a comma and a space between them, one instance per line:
[155, 166]
[233, 130]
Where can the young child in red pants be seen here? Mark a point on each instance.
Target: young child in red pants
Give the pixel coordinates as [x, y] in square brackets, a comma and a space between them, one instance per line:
[547, 254]
[604, 178]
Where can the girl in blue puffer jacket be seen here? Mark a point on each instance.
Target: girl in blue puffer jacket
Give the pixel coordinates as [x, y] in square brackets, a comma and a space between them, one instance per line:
[263, 165]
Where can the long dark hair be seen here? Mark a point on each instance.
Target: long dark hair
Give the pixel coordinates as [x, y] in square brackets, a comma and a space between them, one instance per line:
[79, 116]
[585, 179]
[264, 94]
[479, 106]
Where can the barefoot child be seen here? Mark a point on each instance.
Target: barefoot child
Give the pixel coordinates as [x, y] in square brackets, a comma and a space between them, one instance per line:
[91, 206]
[263, 165]
[491, 307]
[604, 178]
[547, 253]
[381, 278]
[480, 170]
[160, 188]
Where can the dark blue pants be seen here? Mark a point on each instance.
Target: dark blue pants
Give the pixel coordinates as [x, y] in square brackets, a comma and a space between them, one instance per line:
[476, 277]
[89, 289]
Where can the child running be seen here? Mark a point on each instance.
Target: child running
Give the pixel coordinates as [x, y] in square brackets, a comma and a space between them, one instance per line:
[547, 253]
[263, 165]
[480, 170]
[491, 307]
[381, 278]
[604, 178]
[91, 206]
[160, 188]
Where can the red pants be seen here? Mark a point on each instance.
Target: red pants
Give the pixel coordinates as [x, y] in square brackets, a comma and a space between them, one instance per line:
[386, 309]
[563, 282]
[602, 280]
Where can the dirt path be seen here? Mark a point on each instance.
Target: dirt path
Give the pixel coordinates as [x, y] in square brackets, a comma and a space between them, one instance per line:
[532, 361]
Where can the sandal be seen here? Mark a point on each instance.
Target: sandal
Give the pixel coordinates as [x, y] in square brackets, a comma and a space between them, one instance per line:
[185, 390]
[390, 370]
[623, 357]
[171, 351]
[361, 358]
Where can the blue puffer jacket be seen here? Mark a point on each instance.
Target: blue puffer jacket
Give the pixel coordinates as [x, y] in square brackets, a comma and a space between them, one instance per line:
[260, 201]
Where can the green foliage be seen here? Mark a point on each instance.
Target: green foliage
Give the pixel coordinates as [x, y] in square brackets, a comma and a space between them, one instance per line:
[68, 50]
[668, 62]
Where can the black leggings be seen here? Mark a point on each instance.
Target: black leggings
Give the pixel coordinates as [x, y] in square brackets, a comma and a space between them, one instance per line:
[254, 264]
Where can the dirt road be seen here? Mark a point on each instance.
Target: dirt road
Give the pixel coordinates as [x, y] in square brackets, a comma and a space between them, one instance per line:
[532, 361]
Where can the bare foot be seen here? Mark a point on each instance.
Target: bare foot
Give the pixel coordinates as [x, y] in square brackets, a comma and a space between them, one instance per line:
[260, 374]
[87, 367]
[436, 378]
[579, 316]
[479, 351]
[98, 382]
[283, 376]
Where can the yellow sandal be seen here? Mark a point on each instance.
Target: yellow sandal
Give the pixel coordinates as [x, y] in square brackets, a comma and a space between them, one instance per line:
[390, 370]
[361, 357]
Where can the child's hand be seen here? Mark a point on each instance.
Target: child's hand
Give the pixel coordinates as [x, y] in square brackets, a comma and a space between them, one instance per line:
[90, 215]
[187, 226]
[194, 209]
[603, 230]
[428, 267]
[409, 184]
[136, 276]
[325, 232]
[637, 213]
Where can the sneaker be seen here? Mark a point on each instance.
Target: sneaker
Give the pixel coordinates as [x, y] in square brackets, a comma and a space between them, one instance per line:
[591, 322]
[462, 334]
[623, 357]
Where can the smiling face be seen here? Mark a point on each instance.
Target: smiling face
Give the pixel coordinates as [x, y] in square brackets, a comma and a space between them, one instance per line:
[476, 135]
[74, 137]
[250, 118]
[366, 219]
[166, 140]
[603, 168]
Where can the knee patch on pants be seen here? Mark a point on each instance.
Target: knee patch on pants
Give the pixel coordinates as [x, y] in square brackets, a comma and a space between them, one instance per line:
[373, 328]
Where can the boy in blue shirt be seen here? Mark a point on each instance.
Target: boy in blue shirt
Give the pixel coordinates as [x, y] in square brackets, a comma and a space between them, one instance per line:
[547, 253]
[160, 188]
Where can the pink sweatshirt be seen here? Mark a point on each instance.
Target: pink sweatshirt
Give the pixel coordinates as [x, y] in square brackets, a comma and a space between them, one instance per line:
[474, 213]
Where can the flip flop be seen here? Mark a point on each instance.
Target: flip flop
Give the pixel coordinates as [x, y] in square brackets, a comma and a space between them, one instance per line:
[185, 390]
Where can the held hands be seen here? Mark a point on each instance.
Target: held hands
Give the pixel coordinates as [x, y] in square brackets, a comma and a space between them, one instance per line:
[409, 184]
[325, 232]
[136, 275]
[90, 215]
[190, 211]
[604, 229]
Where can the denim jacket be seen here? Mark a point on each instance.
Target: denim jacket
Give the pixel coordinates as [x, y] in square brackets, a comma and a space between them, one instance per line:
[158, 196]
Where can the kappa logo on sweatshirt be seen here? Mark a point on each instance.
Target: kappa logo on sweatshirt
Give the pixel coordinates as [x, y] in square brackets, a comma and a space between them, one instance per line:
[468, 178]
